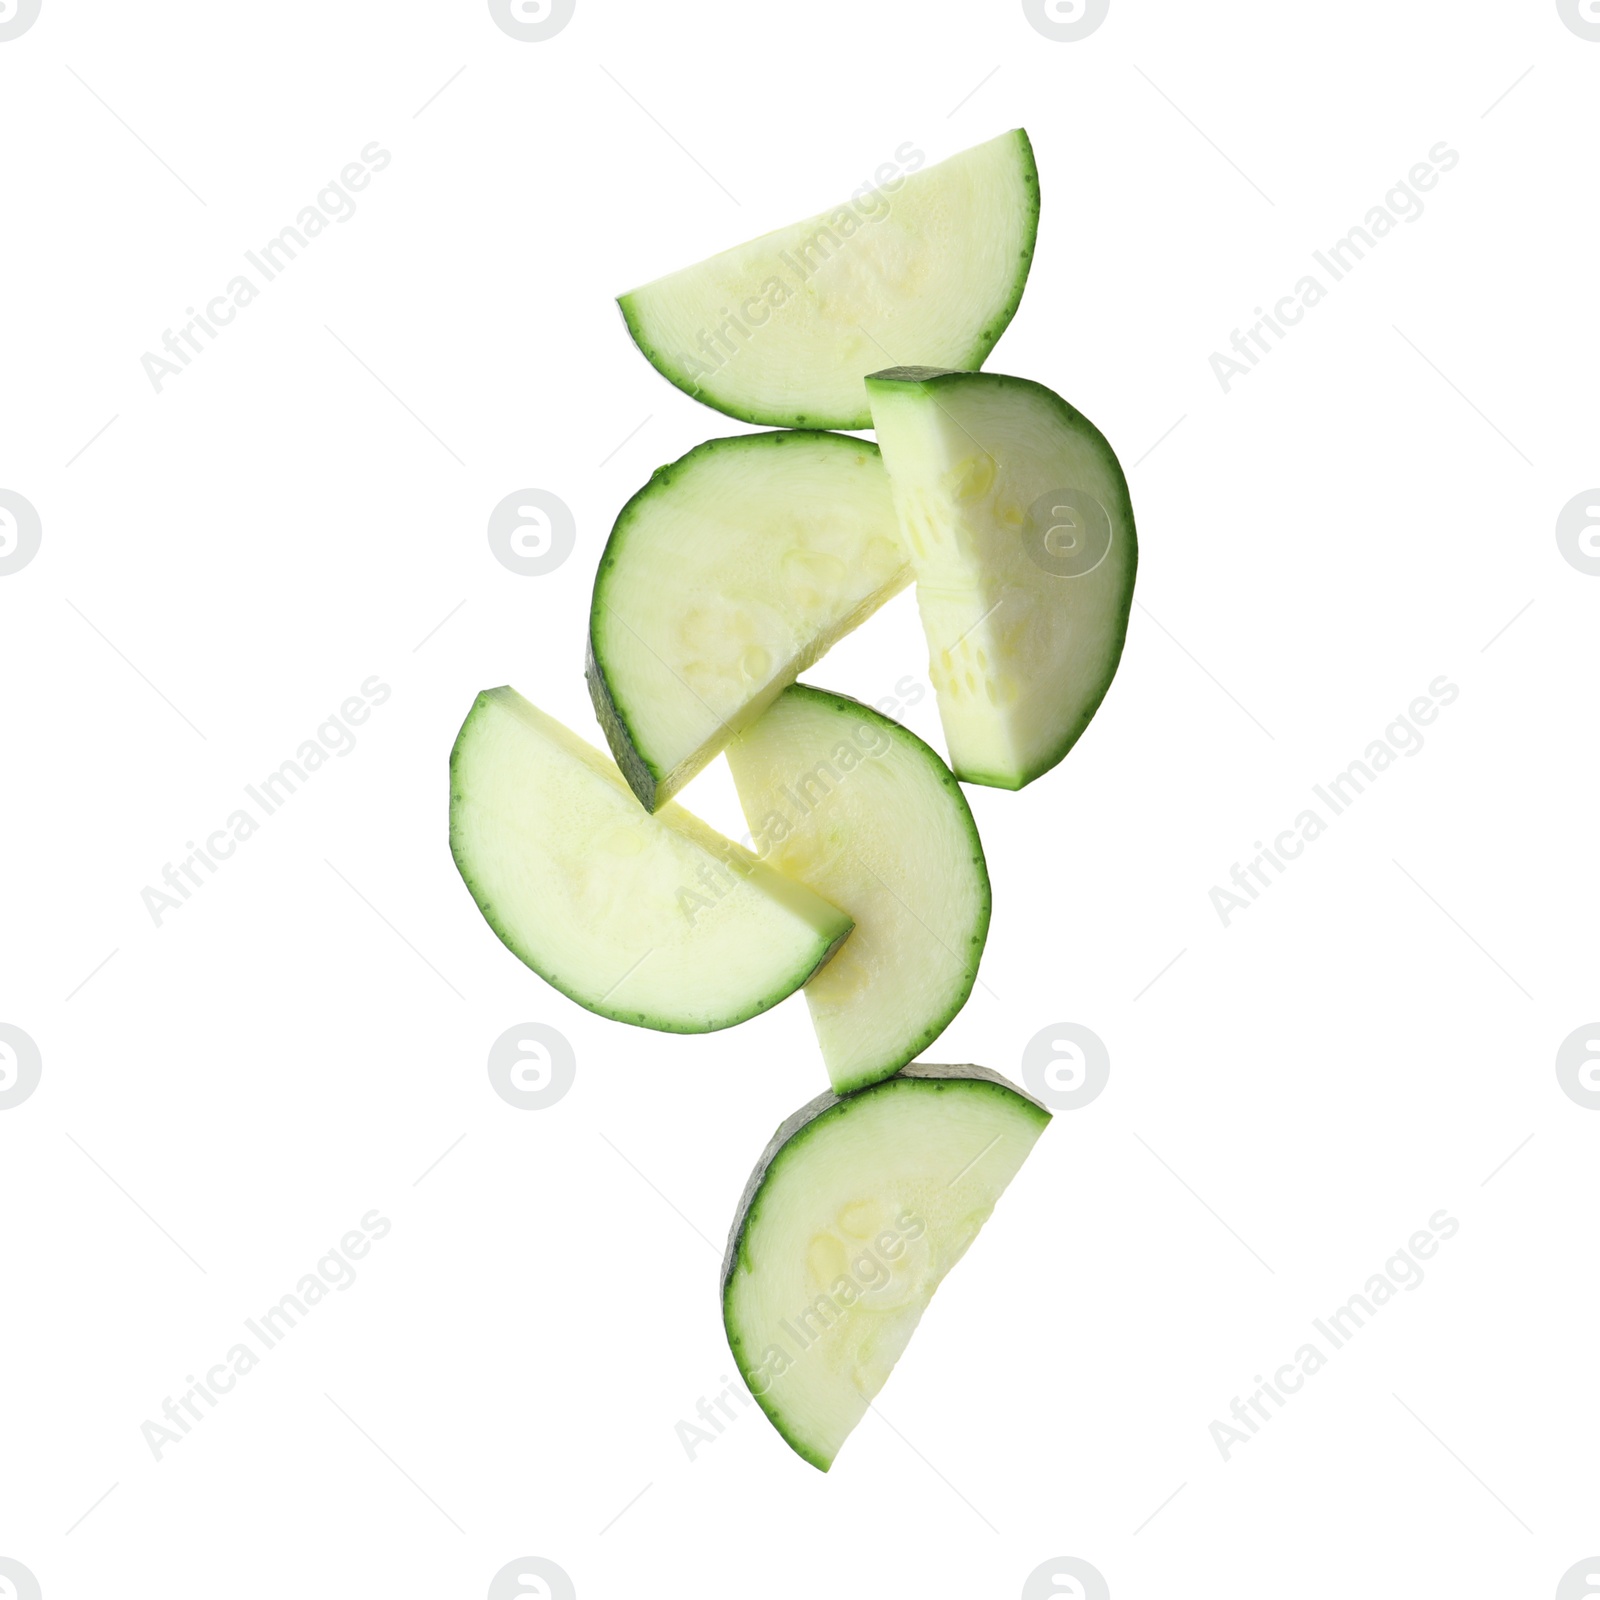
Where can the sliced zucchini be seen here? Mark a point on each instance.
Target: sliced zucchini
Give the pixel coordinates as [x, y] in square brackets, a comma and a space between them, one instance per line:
[610, 905]
[848, 802]
[724, 578]
[1015, 513]
[925, 267]
[852, 1217]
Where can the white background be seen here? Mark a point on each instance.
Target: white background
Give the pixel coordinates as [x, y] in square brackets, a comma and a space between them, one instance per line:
[1290, 1099]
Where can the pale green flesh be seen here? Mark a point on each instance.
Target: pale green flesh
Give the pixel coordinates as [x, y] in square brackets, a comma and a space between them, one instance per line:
[653, 920]
[781, 330]
[851, 1227]
[849, 803]
[725, 577]
[1020, 656]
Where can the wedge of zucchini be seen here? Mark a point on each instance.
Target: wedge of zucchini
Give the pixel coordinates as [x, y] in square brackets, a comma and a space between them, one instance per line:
[725, 577]
[845, 800]
[1015, 514]
[928, 266]
[658, 920]
[856, 1211]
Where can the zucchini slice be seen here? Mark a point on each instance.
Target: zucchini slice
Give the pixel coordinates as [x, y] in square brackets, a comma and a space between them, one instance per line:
[656, 921]
[852, 1217]
[1015, 513]
[725, 577]
[859, 809]
[925, 267]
